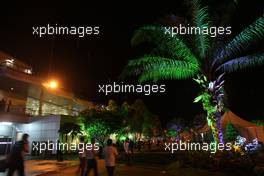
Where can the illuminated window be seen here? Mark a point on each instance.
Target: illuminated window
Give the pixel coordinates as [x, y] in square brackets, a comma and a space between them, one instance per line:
[28, 71]
[9, 62]
[48, 109]
[32, 106]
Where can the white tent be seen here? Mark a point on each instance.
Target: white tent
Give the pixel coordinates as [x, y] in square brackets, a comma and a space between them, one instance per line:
[246, 129]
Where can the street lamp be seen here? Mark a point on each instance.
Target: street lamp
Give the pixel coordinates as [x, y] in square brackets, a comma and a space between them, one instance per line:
[52, 84]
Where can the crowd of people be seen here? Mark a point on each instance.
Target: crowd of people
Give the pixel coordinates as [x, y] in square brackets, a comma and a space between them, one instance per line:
[87, 157]
[88, 161]
[109, 153]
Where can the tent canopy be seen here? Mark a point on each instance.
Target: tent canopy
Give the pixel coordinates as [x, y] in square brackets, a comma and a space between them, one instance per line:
[246, 129]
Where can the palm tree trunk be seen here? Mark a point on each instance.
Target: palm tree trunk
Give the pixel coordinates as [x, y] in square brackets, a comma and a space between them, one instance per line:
[212, 100]
[218, 127]
[217, 95]
[214, 122]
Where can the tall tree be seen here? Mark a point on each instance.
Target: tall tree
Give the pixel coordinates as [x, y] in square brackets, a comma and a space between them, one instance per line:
[101, 122]
[142, 121]
[230, 133]
[198, 56]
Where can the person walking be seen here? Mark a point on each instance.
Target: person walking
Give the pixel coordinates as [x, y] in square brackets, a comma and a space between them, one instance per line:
[127, 151]
[82, 157]
[139, 145]
[2, 105]
[110, 153]
[16, 158]
[9, 104]
[131, 146]
[91, 159]
[149, 145]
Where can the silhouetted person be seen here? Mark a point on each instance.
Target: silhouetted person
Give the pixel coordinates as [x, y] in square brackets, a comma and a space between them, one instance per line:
[158, 143]
[100, 152]
[149, 145]
[2, 105]
[110, 154]
[82, 156]
[16, 157]
[131, 146]
[127, 151]
[117, 143]
[91, 159]
[139, 145]
[8, 106]
[5, 104]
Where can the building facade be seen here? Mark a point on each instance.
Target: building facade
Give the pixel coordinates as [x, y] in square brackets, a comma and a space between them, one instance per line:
[28, 105]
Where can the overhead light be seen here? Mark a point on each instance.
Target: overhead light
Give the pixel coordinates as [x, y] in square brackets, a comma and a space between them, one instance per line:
[6, 123]
[52, 84]
[5, 143]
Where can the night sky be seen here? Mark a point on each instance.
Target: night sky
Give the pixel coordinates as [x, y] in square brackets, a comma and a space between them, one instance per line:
[82, 63]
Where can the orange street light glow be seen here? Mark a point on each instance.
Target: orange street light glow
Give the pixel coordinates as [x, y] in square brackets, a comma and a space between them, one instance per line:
[52, 84]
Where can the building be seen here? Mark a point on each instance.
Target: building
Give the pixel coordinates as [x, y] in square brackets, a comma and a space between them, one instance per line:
[30, 104]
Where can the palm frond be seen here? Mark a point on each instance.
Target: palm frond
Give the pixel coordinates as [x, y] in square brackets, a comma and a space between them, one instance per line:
[153, 34]
[150, 64]
[176, 49]
[243, 41]
[136, 66]
[164, 68]
[171, 46]
[242, 62]
[200, 20]
[168, 48]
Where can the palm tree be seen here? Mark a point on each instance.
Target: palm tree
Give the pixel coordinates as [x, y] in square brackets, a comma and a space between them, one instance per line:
[198, 56]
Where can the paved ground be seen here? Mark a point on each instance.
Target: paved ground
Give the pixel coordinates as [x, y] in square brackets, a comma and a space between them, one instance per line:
[121, 170]
[38, 167]
[69, 168]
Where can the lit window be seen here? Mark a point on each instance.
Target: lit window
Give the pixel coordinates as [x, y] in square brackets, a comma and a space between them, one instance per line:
[28, 71]
[9, 62]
